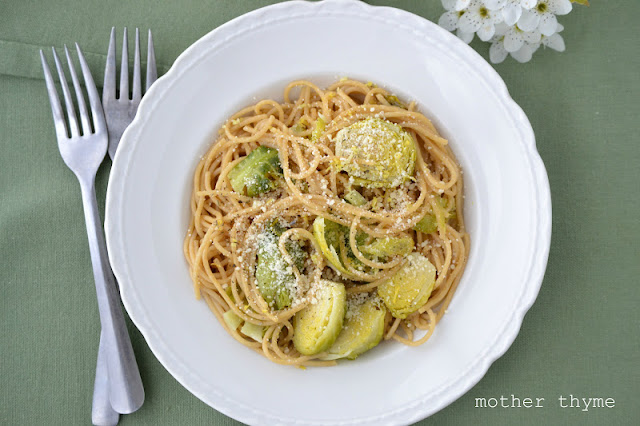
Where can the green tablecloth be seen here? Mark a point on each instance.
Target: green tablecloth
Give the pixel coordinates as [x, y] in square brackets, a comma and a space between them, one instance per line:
[580, 338]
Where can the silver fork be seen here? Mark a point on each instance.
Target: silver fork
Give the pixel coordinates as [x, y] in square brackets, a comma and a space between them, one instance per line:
[120, 111]
[83, 152]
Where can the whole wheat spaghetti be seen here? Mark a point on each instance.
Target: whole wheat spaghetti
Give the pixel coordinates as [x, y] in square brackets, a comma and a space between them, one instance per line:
[422, 208]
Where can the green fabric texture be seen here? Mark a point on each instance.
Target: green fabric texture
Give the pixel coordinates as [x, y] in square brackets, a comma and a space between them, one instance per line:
[581, 336]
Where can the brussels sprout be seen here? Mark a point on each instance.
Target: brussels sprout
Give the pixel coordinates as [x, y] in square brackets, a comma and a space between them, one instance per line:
[355, 198]
[429, 223]
[393, 100]
[362, 330]
[376, 153]
[232, 320]
[274, 276]
[256, 332]
[389, 246]
[328, 235]
[300, 126]
[257, 172]
[409, 288]
[318, 325]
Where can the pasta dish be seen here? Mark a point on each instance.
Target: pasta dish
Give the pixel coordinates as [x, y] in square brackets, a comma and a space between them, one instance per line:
[326, 223]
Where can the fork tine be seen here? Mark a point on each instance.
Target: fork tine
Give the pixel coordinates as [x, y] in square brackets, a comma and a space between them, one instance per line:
[71, 113]
[82, 107]
[94, 99]
[152, 73]
[124, 68]
[109, 87]
[136, 69]
[56, 108]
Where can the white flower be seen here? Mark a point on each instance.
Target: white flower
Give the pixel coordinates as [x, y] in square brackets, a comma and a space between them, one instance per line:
[466, 37]
[555, 41]
[449, 21]
[511, 9]
[498, 53]
[531, 43]
[477, 18]
[543, 16]
[456, 5]
[515, 38]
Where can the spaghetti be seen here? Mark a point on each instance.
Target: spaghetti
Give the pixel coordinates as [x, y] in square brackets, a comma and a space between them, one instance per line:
[222, 246]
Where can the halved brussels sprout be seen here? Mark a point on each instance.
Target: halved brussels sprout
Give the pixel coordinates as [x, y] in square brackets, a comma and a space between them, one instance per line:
[409, 288]
[355, 198]
[318, 325]
[328, 235]
[389, 246]
[256, 332]
[274, 276]
[232, 320]
[376, 153]
[257, 172]
[362, 330]
[429, 222]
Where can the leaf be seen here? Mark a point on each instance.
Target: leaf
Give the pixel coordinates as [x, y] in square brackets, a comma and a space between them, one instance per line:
[582, 2]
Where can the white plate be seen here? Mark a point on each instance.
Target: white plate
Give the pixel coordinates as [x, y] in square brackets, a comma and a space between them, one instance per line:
[508, 211]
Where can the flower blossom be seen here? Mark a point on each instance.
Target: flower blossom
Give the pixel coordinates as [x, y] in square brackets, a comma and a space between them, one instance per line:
[513, 27]
[501, 47]
[543, 16]
[477, 18]
[449, 21]
[511, 9]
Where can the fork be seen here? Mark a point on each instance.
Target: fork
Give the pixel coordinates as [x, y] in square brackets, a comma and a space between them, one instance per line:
[120, 111]
[83, 150]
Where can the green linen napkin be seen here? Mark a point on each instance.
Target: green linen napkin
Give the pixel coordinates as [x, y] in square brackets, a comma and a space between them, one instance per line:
[580, 338]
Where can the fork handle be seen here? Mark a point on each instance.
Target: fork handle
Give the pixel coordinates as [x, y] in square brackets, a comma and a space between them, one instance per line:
[125, 385]
[102, 414]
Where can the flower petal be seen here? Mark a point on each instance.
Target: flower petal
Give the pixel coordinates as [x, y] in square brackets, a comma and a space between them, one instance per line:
[528, 21]
[486, 31]
[466, 37]
[532, 37]
[497, 53]
[511, 13]
[560, 7]
[495, 16]
[548, 24]
[524, 54]
[469, 22]
[449, 4]
[555, 42]
[528, 4]
[449, 20]
[534, 47]
[462, 4]
[494, 4]
[502, 28]
[560, 28]
[513, 41]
